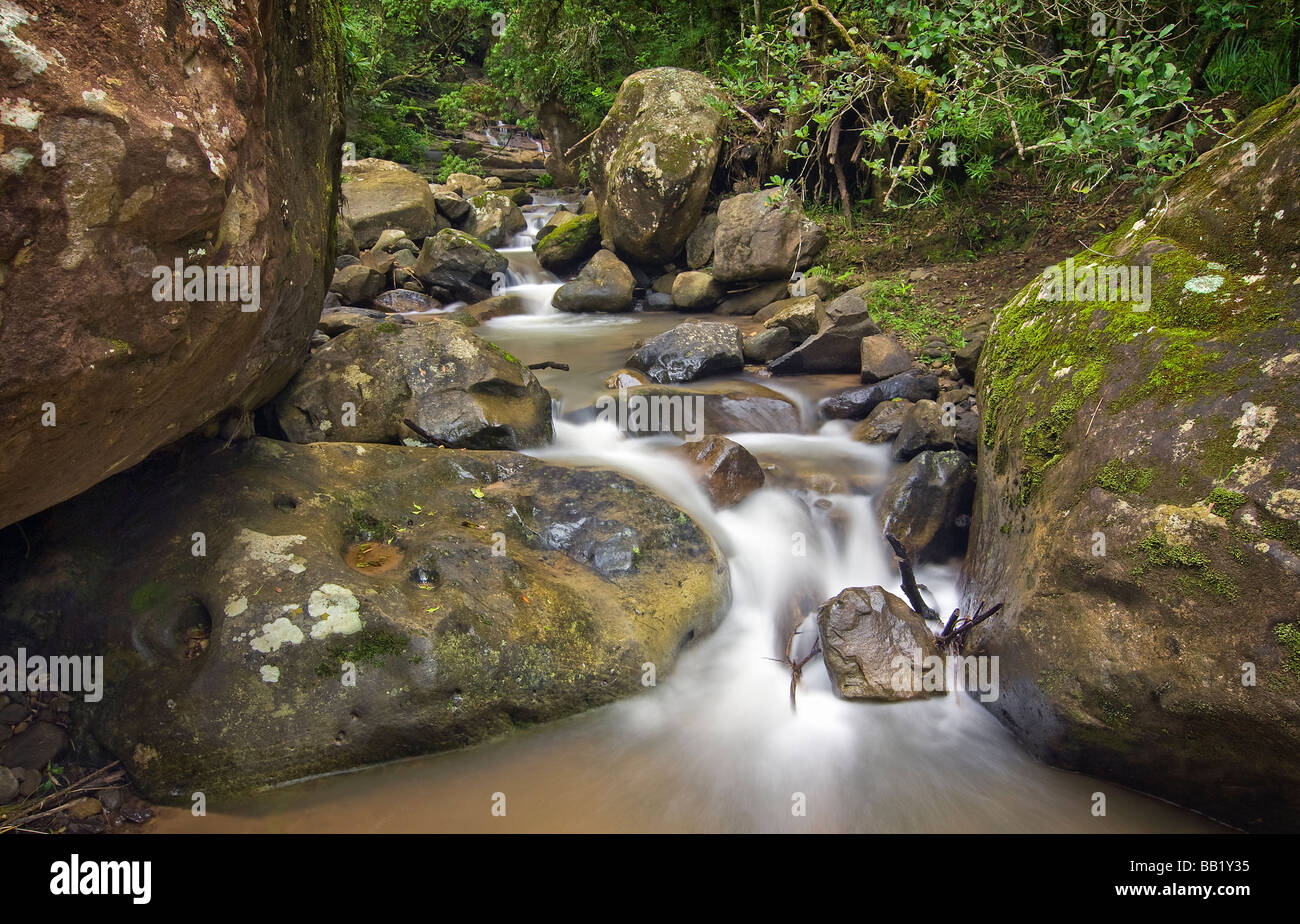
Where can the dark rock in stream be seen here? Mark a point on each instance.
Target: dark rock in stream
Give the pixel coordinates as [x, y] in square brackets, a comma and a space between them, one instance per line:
[925, 426]
[728, 471]
[691, 351]
[927, 504]
[857, 402]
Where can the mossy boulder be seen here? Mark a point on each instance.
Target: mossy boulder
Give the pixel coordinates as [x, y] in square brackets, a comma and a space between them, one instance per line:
[457, 254]
[652, 160]
[355, 604]
[569, 243]
[1138, 503]
[433, 382]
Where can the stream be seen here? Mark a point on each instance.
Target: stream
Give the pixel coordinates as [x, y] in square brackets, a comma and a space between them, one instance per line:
[715, 746]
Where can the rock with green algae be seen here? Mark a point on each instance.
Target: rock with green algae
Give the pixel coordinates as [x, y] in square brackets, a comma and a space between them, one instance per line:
[1139, 636]
[569, 243]
[652, 161]
[355, 604]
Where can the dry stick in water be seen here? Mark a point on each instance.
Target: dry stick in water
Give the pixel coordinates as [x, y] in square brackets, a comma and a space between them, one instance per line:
[956, 631]
[796, 667]
[909, 579]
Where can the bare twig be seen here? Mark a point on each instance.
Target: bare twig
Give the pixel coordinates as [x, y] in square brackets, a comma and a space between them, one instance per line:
[910, 588]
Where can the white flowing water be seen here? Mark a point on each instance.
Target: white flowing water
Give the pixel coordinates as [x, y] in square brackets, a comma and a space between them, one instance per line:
[716, 744]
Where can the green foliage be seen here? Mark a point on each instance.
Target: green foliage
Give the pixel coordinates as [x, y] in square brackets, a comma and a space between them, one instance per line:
[400, 53]
[577, 53]
[1194, 565]
[895, 308]
[452, 163]
[1288, 636]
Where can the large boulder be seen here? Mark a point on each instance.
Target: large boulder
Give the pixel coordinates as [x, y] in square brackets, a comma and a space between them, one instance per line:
[432, 382]
[874, 646]
[1138, 508]
[604, 284]
[652, 161]
[378, 194]
[356, 604]
[763, 235]
[218, 152]
[690, 351]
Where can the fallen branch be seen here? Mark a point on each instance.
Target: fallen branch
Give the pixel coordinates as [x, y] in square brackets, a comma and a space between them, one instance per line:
[957, 628]
[910, 588]
[55, 801]
[563, 367]
[796, 667]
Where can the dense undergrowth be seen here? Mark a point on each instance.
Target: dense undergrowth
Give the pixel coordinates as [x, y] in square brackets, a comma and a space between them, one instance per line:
[862, 105]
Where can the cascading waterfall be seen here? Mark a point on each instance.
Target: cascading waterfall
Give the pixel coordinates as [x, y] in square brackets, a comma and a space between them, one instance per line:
[716, 745]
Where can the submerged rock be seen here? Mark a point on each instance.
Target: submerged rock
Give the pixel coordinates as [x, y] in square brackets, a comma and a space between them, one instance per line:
[732, 407]
[871, 641]
[432, 382]
[357, 604]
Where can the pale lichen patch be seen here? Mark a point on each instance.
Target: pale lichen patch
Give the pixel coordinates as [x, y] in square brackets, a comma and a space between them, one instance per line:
[273, 550]
[276, 634]
[335, 610]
